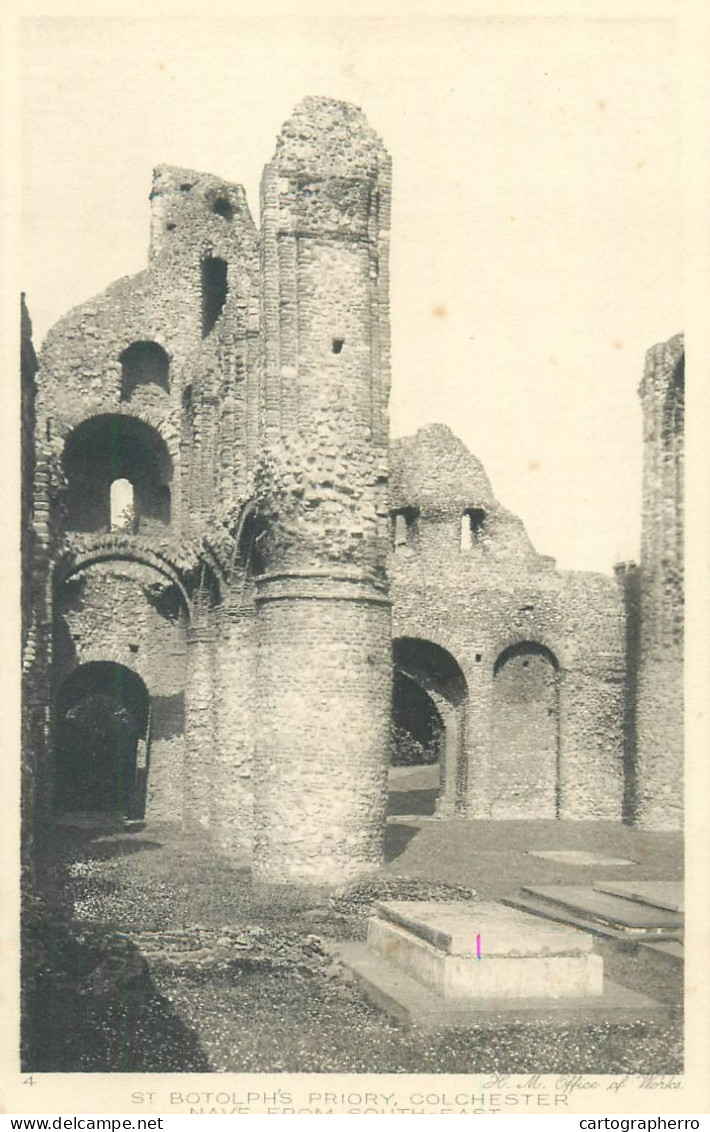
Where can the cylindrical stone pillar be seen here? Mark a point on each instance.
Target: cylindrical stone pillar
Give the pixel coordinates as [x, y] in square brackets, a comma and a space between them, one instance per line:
[322, 731]
[323, 622]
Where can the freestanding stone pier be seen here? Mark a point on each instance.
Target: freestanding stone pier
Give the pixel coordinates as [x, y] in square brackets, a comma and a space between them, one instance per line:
[324, 635]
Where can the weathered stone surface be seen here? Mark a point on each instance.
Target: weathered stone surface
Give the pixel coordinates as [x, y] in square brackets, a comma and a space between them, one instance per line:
[275, 587]
[666, 894]
[467, 928]
[608, 909]
[486, 951]
[537, 702]
[408, 1000]
[657, 780]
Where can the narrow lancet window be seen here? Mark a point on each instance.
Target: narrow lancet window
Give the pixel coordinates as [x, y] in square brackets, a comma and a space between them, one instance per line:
[123, 512]
[214, 291]
[471, 527]
[404, 527]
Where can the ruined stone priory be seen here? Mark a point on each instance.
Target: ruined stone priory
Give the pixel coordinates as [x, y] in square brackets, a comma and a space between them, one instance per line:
[248, 612]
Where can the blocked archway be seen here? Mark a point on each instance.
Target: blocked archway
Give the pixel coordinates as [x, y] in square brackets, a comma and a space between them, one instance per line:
[101, 741]
[524, 777]
[429, 703]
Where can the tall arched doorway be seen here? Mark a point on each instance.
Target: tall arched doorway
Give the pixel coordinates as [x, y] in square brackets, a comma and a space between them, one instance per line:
[524, 779]
[429, 697]
[101, 738]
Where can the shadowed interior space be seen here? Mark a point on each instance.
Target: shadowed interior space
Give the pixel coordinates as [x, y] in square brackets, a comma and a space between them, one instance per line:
[101, 741]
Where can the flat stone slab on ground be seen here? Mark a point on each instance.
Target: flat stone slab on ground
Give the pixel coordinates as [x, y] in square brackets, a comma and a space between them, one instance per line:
[577, 857]
[614, 910]
[413, 1004]
[467, 928]
[667, 894]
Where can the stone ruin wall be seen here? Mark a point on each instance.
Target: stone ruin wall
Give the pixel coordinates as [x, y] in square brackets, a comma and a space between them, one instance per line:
[33, 707]
[658, 782]
[202, 420]
[485, 605]
[259, 616]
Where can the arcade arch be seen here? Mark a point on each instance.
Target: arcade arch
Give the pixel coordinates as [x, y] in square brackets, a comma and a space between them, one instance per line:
[429, 705]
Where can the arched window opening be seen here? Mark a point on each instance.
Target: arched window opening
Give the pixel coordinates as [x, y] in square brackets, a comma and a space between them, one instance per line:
[102, 740]
[214, 291]
[472, 521]
[404, 527]
[142, 364]
[251, 540]
[122, 504]
[113, 463]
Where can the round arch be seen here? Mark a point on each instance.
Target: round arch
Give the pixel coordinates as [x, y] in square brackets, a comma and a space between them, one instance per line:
[144, 363]
[429, 707]
[110, 447]
[524, 649]
[72, 564]
[525, 774]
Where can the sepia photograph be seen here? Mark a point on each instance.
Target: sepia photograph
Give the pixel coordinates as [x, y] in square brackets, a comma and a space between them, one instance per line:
[352, 556]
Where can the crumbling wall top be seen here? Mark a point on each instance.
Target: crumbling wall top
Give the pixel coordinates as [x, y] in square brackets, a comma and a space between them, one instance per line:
[329, 136]
[661, 362]
[434, 471]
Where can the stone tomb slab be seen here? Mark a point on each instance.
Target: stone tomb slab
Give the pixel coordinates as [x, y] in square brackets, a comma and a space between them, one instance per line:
[667, 894]
[456, 926]
[601, 906]
[472, 951]
[578, 857]
[411, 1003]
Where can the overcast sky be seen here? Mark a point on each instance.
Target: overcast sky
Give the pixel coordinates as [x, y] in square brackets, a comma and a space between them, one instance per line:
[536, 237]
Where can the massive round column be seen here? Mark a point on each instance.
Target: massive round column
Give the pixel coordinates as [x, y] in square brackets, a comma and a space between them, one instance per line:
[324, 637]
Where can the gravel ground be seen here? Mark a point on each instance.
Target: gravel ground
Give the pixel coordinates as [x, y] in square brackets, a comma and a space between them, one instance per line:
[316, 1025]
[163, 965]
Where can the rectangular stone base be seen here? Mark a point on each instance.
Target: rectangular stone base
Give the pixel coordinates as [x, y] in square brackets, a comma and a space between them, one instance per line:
[411, 1003]
[491, 976]
[474, 950]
